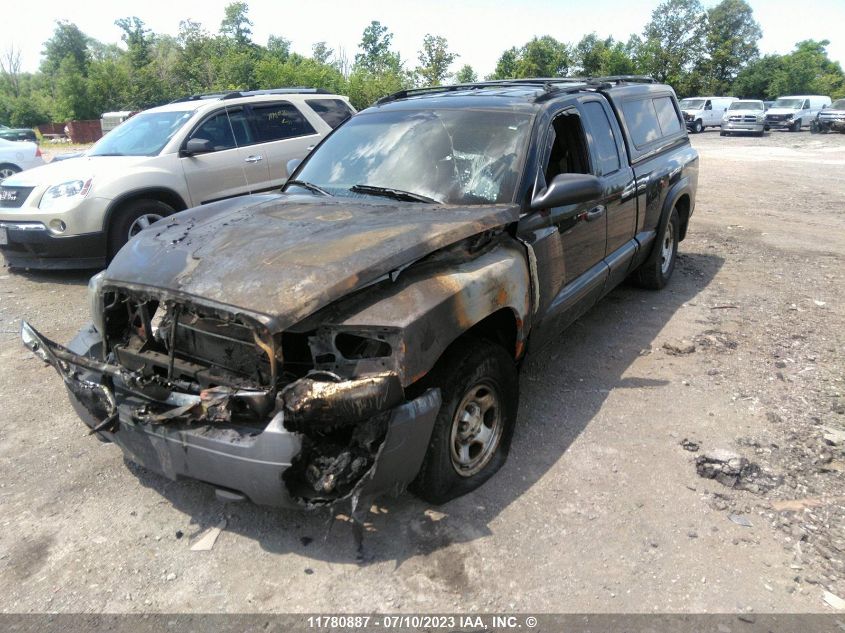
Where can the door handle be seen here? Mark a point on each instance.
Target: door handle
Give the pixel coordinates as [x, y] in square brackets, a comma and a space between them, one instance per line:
[310, 147]
[253, 159]
[595, 213]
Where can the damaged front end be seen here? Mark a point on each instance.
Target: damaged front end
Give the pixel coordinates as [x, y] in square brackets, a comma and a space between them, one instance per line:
[192, 390]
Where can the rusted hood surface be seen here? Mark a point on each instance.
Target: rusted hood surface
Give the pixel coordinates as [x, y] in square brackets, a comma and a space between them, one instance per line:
[285, 256]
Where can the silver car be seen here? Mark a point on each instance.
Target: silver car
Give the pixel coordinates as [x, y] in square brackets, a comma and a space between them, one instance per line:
[744, 116]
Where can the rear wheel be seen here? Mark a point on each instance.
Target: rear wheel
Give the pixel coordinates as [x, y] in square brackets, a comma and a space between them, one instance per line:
[133, 218]
[479, 385]
[656, 271]
[7, 170]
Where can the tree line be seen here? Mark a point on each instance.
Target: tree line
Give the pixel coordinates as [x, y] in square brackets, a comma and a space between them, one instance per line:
[697, 51]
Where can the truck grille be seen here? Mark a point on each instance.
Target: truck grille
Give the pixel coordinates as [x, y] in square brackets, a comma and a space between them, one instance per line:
[736, 118]
[13, 197]
[776, 117]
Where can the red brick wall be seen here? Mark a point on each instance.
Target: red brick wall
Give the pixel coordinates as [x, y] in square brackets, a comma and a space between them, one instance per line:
[85, 131]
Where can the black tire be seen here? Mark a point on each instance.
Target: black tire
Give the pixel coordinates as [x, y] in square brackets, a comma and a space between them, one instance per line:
[723, 133]
[7, 169]
[125, 220]
[761, 133]
[796, 127]
[698, 126]
[654, 273]
[466, 370]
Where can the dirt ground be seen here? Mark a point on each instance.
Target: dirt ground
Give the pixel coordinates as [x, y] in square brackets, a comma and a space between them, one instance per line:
[600, 507]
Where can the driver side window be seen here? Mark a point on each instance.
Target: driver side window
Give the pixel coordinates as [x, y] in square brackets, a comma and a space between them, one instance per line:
[216, 130]
[569, 149]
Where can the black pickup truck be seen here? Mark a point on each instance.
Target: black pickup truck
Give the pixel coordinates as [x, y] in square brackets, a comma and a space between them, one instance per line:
[361, 330]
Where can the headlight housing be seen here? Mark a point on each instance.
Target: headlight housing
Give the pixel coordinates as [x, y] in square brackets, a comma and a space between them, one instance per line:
[65, 194]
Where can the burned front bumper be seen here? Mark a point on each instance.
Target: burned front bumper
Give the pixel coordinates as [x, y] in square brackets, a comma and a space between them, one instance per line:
[239, 461]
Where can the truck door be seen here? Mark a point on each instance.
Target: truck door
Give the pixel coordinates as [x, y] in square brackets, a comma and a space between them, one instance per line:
[610, 163]
[569, 242]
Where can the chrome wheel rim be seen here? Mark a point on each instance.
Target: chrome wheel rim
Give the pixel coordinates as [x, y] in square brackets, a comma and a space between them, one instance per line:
[476, 429]
[143, 222]
[668, 249]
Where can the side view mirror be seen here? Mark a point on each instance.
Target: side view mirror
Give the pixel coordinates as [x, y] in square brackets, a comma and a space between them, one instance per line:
[568, 189]
[196, 146]
[293, 163]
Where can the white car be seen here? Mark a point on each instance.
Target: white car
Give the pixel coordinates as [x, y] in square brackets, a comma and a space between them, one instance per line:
[78, 213]
[747, 115]
[16, 156]
[793, 113]
[703, 112]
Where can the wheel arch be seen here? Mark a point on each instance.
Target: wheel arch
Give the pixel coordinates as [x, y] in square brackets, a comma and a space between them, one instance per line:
[161, 194]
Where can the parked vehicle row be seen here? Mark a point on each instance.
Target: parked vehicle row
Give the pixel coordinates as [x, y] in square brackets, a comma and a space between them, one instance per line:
[733, 115]
[361, 330]
[80, 212]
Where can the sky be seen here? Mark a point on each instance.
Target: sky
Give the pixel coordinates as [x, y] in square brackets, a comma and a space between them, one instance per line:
[478, 30]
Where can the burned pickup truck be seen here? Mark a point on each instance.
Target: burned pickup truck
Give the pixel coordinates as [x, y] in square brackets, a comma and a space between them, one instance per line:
[361, 330]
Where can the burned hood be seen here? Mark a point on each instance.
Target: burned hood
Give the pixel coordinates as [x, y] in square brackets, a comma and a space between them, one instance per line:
[285, 256]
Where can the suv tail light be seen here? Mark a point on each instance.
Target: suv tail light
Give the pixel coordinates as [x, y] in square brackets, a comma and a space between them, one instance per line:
[37, 151]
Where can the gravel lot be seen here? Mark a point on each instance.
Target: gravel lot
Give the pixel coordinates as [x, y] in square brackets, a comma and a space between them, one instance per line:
[600, 508]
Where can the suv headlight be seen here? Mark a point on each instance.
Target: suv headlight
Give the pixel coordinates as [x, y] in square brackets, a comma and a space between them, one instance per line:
[65, 194]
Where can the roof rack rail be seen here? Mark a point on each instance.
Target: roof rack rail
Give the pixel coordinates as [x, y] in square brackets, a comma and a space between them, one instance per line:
[548, 84]
[235, 94]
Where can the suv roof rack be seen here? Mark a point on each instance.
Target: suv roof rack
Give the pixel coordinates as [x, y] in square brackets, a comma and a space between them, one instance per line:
[235, 94]
[549, 85]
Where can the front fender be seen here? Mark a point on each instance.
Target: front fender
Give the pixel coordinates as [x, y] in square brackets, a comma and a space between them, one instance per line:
[432, 304]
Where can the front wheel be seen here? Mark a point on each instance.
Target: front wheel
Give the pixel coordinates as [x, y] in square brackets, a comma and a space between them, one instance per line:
[656, 271]
[796, 127]
[479, 385]
[133, 218]
[698, 126]
[7, 170]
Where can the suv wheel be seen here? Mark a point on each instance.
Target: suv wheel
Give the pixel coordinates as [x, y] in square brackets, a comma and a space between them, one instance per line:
[479, 384]
[655, 272]
[796, 127]
[698, 126]
[133, 218]
[7, 170]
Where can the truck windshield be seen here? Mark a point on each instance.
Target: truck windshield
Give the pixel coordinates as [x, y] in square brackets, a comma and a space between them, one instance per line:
[788, 103]
[145, 134]
[692, 104]
[746, 105]
[446, 156]
[839, 104]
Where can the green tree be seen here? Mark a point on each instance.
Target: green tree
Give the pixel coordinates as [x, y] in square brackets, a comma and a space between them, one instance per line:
[236, 25]
[136, 37]
[506, 67]
[731, 43]
[321, 53]
[540, 57]
[375, 55]
[435, 60]
[466, 75]
[674, 41]
[67, 41]
[754, 81]
[544, 57]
